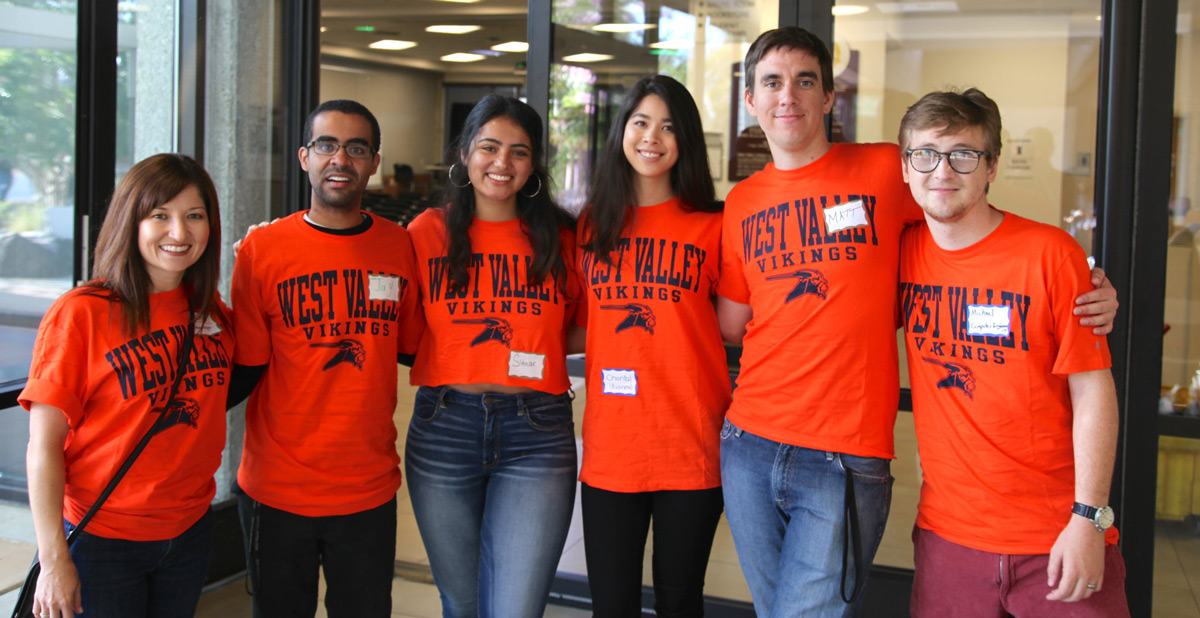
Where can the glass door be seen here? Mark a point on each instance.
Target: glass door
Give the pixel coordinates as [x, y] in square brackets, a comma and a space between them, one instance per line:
[1177, 508]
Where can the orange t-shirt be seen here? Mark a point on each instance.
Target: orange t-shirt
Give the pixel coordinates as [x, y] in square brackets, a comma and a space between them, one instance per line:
[501, 329]
[814, 251]
[657, 377]
[991, 338]
[112, 387]
[327, 312]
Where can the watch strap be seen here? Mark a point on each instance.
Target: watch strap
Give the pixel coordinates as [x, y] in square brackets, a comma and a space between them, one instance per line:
[1085, 511]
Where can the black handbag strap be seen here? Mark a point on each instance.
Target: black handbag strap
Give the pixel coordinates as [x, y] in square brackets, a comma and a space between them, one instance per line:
[184, 350]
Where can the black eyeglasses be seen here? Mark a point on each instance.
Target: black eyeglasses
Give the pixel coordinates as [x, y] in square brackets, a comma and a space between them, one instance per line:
[328, 148]
[925, 160]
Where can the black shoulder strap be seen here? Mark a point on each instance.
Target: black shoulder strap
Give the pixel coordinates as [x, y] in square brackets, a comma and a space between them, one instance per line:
[158, 425]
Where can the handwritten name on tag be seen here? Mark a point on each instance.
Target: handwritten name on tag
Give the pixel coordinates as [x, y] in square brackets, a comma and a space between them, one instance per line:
[845, 216]
[526, 365]
[989, 320]
[619, 382]
[206, 328]
[383, 287]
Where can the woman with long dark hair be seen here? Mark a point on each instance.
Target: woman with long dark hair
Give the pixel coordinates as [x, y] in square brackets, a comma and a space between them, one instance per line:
[104, 364]
[657, 380]
[490, 459]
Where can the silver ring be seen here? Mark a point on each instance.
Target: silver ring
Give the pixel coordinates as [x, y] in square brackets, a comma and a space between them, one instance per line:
[1091, 586]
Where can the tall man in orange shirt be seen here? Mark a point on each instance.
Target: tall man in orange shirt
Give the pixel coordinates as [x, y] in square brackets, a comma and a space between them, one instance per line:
[1014, 402]
[326, 301]
[810, 251]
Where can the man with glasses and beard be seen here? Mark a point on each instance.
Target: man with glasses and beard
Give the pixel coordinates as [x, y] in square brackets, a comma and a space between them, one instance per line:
[325, 305]
[1014, 402]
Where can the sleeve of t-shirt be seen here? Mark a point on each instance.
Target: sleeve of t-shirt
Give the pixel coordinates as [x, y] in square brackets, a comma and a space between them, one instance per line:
[910, 211]
[251, 323]
[411, 316]
[732, 283]
[1078, 349]
[58, 375]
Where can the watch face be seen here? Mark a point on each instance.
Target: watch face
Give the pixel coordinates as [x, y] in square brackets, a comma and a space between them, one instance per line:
[1105, 517]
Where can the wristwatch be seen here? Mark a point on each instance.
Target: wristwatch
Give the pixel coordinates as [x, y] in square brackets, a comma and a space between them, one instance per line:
[1100, 516]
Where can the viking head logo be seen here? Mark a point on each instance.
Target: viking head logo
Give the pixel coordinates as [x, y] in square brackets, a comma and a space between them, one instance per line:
[808, 281]
[179, 411]
[960, 377]
[639, 315]
[494, 329]
[348, 351]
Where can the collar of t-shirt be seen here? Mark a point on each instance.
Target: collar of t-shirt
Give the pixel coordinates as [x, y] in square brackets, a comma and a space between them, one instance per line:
[350, 231]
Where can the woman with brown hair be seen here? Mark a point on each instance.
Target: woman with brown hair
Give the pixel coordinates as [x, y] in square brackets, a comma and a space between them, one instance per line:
[106, 367]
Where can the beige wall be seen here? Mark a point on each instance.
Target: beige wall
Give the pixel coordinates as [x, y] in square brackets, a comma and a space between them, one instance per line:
[407, 103]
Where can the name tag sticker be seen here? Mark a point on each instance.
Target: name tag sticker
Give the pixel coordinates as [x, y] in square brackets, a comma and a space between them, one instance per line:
[384, 287]
[845, 216]
[619, 382]
[989, 320]
[206, 328]
[526, 365]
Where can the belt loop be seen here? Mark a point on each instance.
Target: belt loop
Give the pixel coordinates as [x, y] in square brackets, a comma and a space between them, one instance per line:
[441, 396]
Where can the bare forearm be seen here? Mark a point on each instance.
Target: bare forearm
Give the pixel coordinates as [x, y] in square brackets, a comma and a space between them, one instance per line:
[1094, 433]
[47, 478]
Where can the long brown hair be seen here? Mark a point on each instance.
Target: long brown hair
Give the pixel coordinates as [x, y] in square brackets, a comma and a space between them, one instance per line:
[541, 218]
[120, 271]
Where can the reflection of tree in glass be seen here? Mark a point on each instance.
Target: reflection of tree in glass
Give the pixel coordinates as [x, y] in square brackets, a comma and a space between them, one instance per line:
[37, 121]
[572, 110]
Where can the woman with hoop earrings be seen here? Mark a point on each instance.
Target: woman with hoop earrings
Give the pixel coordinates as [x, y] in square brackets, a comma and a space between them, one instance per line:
[490, 457]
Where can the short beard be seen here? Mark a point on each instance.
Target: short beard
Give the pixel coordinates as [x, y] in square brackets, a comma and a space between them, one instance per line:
[335, 201]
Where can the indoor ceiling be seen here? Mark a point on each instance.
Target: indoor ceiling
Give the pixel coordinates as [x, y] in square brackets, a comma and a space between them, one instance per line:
[349, 27]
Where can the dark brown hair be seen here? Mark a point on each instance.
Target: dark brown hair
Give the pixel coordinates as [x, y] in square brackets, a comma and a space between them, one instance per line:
[789, 37]
[120, 271]
[610, 204]
[541, 219]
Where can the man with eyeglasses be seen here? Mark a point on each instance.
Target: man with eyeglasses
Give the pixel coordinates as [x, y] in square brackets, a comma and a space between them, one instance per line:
[324, 304]
[810, 255]
[1014, 402]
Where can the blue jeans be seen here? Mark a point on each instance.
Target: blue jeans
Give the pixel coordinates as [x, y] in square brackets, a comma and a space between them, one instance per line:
[492, 481]
[786, 507]
[124, 579]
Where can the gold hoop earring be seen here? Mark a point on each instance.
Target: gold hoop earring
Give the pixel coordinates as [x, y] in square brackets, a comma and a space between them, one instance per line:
[539, 189]
[450, 177]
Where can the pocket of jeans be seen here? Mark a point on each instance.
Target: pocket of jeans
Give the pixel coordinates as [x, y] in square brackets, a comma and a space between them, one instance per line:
[868, 469]
[552, 415]
[428, 407]
[728, 431]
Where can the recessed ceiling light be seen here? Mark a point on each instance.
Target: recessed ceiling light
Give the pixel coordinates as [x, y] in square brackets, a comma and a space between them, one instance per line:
[324, 29]
[622, 27]
[917, 7]
[452, 29]
[849, 9]
[512, 47]
[392, 44]
[585, 57]
[672, 44]
[462, 57]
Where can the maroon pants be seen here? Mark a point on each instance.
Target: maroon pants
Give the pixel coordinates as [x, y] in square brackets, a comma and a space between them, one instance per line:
[952, 580]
